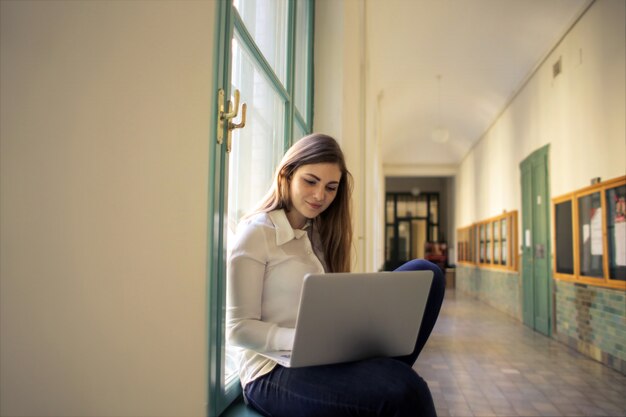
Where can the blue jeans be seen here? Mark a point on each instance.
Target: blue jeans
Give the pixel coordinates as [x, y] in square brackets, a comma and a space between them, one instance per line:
[371, 387]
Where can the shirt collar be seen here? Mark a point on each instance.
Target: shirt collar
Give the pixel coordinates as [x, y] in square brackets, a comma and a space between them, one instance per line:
[284, 231]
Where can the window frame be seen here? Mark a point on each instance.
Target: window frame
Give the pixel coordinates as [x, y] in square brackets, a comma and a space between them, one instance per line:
[292, 114]
[477, 243]
[573, 197]
[222, 393]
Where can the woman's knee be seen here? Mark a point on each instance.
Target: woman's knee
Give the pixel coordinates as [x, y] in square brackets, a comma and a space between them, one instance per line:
[439, 280]
[418, 403]
[406, 393]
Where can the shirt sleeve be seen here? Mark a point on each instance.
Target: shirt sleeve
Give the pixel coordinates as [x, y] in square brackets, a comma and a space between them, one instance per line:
[246, 271]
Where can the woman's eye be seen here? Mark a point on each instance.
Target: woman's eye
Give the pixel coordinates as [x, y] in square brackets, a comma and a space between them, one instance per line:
[331, 189]
[310, 182]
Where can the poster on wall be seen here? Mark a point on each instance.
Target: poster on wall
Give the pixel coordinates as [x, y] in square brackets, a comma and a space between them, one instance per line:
[596, 232]
[620, 244]
[620, 231]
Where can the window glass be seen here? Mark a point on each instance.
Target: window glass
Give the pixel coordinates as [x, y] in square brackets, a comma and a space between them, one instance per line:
[390, 239]
[590, 235]
[505, 249]
[564, 238]
[298, 132]
[435, 236]
[482, 243]
[411, 207]
[419, 238]
[497, 247]
[434, 209]
[404, 240]
[422, 206]
[488, 243]
[478, 245]
[403, 203]
[266, 21]
[616, 231]
[302, 59]
[256, 149]
[390, 210]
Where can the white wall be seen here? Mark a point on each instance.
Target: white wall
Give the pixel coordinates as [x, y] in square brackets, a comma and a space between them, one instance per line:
[340, 111]
[105, 110]
[375, 183]
[581, 114]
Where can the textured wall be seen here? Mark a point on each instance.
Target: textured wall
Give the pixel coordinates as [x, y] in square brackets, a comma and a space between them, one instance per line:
[499, 289]
[104, 172]
[592, 320]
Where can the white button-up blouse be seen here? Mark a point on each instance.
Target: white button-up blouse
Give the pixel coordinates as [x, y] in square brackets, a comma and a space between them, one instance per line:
[266, 269]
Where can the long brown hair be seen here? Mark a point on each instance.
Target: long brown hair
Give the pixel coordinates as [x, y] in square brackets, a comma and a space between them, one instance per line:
[334, 224]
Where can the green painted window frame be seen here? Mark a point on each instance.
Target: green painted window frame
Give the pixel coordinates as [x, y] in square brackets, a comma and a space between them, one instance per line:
[292, 114]
[221, 395]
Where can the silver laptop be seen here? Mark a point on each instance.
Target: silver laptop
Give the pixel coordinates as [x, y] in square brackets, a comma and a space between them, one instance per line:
[345, 317]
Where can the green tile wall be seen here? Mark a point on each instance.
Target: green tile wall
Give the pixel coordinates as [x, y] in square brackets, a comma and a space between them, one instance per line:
[592, 320]
[499, 289]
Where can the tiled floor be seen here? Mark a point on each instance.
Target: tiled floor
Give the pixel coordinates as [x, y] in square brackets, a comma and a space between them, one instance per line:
[481, 362]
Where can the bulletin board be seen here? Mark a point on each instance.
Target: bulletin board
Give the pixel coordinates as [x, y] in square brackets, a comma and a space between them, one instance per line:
[590, 234]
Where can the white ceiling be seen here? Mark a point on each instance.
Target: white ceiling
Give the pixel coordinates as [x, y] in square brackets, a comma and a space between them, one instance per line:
[484, 51]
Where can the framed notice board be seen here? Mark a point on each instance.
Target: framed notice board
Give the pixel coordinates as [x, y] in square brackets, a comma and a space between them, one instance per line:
[590, 234]
[490, 243]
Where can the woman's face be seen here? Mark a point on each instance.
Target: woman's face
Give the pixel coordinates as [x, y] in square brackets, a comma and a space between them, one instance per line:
[312, 188]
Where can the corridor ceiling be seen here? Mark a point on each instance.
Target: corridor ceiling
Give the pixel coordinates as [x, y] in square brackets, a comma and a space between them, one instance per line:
[484, 51]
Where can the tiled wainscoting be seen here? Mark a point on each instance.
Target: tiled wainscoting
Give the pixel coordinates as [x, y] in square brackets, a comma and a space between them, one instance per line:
[499, 289]
[593, 321]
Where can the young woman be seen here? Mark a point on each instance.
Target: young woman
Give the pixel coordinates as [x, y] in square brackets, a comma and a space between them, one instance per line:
[302, 226]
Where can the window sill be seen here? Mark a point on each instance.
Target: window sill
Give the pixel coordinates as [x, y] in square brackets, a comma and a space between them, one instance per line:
[239, 409]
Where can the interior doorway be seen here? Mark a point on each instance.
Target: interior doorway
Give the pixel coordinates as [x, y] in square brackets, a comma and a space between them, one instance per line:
[410, 222]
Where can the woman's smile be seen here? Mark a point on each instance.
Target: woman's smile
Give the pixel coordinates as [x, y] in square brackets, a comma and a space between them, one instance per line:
[314, 206]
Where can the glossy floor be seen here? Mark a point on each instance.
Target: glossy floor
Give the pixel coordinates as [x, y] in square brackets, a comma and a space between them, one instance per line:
[481, 362]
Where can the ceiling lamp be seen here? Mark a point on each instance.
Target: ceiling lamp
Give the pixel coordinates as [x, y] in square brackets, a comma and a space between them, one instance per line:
[439, 134]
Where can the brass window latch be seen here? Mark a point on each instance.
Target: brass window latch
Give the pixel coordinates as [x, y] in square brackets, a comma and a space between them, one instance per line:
[223, 116]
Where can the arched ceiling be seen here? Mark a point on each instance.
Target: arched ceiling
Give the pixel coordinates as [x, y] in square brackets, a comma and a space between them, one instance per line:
[484, 50]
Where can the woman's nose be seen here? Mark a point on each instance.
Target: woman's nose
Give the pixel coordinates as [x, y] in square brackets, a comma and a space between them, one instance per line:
[319, 193]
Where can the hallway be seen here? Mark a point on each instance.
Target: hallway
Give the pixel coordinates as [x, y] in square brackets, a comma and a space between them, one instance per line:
[481, 362]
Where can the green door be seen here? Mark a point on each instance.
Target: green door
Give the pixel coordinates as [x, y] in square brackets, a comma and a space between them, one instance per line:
[536, 276]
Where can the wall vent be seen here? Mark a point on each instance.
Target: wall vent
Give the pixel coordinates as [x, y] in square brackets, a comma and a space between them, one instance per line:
[556, 68]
